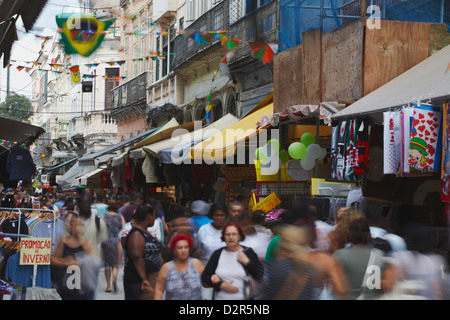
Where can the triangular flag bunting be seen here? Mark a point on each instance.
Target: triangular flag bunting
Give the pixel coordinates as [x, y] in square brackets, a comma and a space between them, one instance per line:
[262, 51]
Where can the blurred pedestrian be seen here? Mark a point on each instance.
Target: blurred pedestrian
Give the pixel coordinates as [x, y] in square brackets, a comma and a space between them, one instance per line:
[199, 210]
[332, 282]
[114, 223]
[180, 278]
[227, 267]
[235, 210]
[419, 272]
[94, 230]
[379, 225]
[259, 223]
[136, 200]
[143, 256]
[358, 260]
[64, 257]
[339, 236]
[259, 242]
[209, 236]
[100, 205]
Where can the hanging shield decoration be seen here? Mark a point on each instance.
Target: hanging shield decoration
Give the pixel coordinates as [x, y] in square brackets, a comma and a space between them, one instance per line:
[82, 33]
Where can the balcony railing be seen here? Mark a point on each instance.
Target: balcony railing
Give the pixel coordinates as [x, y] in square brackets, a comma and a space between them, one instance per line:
[215, 19]
[41, 101]
[261, 25]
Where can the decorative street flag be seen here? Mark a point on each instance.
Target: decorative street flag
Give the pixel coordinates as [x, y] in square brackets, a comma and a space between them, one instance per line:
[209, 107]
[262, 51]
[82, 32]
[75, 71]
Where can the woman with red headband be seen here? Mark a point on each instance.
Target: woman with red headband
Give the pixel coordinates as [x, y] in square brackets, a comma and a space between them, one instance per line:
[180, 278]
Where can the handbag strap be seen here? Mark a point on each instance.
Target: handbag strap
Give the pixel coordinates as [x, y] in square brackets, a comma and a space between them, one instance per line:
[369, 263]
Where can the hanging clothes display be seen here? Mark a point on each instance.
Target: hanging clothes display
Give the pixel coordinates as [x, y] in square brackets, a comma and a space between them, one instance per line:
[340, 153]
[105, 180]
[425, 143]
[333, 149]
[20, 164]
[362, 149]
[350, 150]
[412, 141]
[445, 172]
[389, 164]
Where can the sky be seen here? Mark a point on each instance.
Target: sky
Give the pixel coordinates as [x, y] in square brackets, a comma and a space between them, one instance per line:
[28, 46]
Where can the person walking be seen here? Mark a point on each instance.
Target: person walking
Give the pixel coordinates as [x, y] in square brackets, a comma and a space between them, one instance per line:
[209, 236]
[358, 259]
[94, 230]
[64, 257]
[227, 268]
[142, 256]
[180, 278]
[292, 277]
[114, 223]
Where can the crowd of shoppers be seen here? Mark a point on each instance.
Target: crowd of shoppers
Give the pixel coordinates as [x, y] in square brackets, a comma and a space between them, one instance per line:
[212, 251]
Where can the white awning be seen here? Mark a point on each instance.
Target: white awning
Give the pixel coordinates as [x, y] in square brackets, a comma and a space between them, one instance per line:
[83, 180]
[428, 80]
[187, 140]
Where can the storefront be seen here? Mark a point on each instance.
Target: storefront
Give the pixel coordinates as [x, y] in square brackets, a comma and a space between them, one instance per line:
[404, 145]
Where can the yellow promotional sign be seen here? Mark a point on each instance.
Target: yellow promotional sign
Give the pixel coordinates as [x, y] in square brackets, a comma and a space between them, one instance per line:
[268, 203]
[35, 251]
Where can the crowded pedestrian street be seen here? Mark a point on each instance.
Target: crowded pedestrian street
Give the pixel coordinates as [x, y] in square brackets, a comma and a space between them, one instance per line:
[232, 157]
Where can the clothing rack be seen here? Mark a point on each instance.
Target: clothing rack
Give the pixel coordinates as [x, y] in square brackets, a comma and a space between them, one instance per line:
[19, 210]
[334, 194]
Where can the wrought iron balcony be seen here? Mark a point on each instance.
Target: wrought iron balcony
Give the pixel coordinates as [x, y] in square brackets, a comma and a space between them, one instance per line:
[215, 19]
[261, 25]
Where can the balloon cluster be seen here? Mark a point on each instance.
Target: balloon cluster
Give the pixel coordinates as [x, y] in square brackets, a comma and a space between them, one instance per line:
[307, 151]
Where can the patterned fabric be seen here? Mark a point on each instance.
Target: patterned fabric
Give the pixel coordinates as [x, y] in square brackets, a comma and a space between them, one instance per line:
[425, 143]
[183, 286]
[114, 225]
[152, 256]
[362, 146]
[389, 166]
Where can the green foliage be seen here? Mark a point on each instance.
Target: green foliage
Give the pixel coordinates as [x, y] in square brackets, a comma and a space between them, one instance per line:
[15, 107]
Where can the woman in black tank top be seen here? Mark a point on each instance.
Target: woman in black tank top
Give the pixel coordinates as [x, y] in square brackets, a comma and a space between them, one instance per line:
[143, 256]
[64, 257]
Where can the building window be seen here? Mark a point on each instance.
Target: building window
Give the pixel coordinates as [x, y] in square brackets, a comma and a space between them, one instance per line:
[181, 23]
[266, 24]
[157, 61]
[218, 20]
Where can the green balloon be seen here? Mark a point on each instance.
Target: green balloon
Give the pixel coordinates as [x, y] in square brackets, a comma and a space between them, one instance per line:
[307, 139]
[275, 143]
[284, 156]
[297, 150]
[259, 154]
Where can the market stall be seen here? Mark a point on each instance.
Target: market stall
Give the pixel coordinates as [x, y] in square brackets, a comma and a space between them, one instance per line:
[399, 134]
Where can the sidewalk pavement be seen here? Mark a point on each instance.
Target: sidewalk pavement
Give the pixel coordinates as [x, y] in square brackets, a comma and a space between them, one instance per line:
[100, 293]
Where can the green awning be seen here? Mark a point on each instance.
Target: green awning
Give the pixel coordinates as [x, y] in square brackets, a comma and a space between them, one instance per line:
[59, 165]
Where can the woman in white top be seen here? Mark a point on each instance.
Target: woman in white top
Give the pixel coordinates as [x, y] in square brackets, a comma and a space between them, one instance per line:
[227, 267]
[209, 236]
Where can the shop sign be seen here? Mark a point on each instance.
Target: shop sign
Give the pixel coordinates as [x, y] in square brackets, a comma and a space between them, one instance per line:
[268, 203]
[35, 251]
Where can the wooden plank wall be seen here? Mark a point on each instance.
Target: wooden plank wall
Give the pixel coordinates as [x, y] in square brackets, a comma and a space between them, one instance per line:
[287, 78]
[342, 63]
[393, 49]
[349, 62]
[312, 66]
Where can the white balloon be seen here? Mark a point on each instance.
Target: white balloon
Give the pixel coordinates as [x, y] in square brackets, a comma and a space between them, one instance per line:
[307, 163]
[268, 151]
[324, 154]
[314, 151]
[271, 167]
